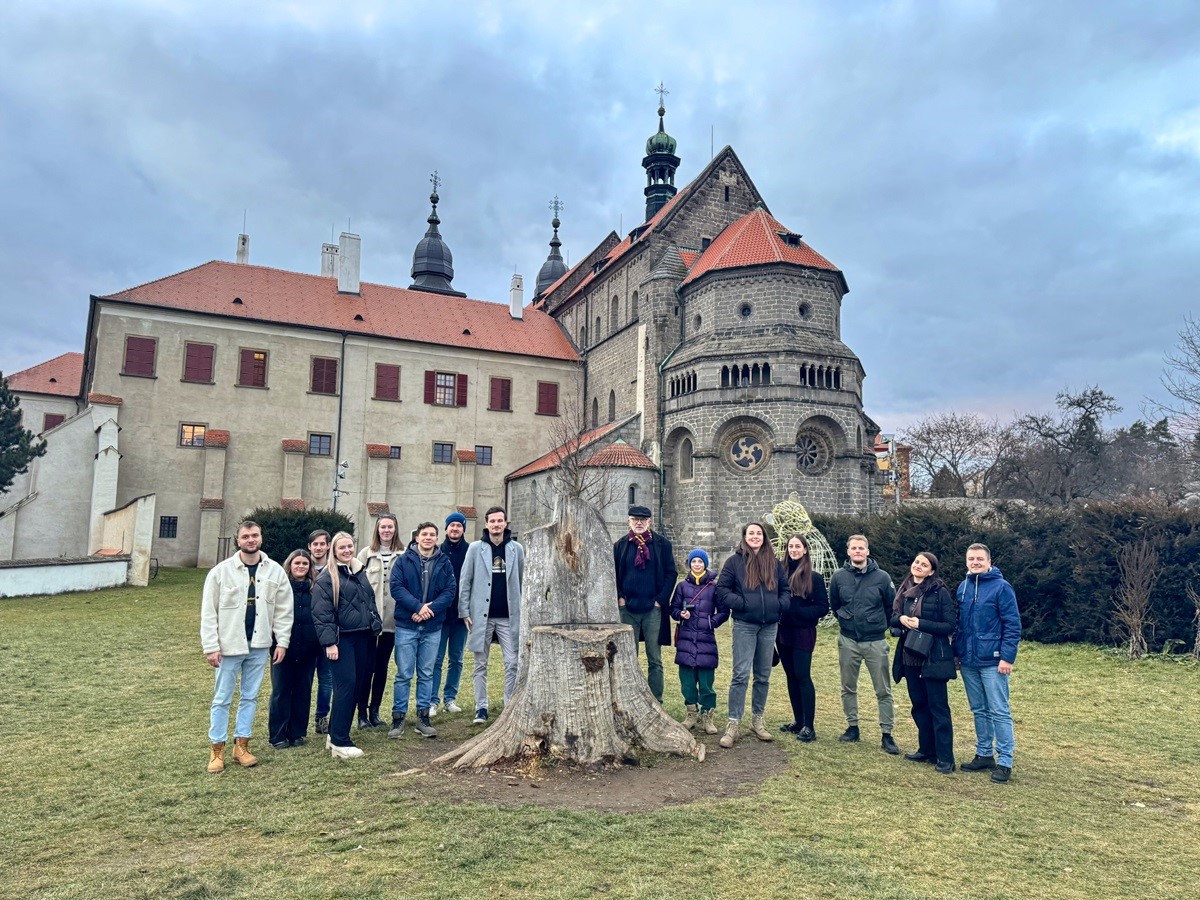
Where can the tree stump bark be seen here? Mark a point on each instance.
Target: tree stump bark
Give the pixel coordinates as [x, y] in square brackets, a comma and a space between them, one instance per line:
[581, 696]
[585, 701]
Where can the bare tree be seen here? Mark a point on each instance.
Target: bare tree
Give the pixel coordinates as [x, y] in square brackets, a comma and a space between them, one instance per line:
[1194, 596]
[960, 451]
[1181, 380]
[572, 475]
[1140, 568]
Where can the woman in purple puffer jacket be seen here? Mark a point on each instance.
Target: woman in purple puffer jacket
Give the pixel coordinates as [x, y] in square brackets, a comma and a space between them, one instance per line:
[695, 607]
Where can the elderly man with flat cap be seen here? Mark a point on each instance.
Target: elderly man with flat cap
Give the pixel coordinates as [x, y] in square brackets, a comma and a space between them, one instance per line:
[646, 576]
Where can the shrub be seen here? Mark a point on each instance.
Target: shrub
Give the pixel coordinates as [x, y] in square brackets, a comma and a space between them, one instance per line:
[285, 530]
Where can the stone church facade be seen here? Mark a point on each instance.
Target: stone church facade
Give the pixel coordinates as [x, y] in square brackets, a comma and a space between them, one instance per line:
[719, 331]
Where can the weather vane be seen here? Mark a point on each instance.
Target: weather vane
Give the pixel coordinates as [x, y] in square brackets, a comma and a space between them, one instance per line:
[556, 205]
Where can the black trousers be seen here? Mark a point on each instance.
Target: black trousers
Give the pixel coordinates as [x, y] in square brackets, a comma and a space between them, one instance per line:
[370, 691]
[291, 695]
[797, 665]
[931, 712]
[356, 650]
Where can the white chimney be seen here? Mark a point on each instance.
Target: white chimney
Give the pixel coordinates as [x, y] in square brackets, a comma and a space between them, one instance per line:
[329, 260]
[348, 263]
[516, 297]
[243, 250]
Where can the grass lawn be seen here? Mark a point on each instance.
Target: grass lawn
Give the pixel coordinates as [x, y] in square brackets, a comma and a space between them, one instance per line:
[104, 793]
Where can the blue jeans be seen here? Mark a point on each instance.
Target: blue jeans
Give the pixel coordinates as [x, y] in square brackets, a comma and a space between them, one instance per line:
[753, 648]
[416, 651]
[987, 694]
[250, 668]
[454, 639]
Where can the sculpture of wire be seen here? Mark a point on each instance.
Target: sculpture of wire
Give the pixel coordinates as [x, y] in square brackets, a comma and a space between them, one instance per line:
[790, 517]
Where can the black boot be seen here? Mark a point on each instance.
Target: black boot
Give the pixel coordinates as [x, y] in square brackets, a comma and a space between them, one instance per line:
[373, 717]
[397, 725]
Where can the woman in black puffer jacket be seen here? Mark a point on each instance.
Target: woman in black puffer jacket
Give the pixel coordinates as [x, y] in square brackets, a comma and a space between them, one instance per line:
[753, 585]
[347, 622]
[292, 679]
[925, 605]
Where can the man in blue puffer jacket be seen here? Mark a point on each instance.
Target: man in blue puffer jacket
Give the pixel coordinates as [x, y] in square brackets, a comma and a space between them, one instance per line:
[985, 647]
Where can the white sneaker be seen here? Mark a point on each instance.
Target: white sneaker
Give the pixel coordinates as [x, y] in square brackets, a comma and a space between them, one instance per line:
[433, 710]
[346, 752]
[452, 707]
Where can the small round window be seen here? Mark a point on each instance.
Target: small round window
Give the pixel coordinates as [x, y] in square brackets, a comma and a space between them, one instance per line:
[805, 310]
[746, 310]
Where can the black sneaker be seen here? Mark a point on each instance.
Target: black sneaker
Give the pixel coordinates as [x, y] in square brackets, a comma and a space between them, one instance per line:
[363, 722]
[850, 735]
[280, 745]
[979, 764]
[789, 727]
[889, 745]
[806, 734]
[300, 741]
[480, 717]
[944, 768]
[919, 756]
[1001, 774]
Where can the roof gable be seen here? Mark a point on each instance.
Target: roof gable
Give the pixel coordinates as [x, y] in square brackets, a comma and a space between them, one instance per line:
[756, 239]
[259, 293]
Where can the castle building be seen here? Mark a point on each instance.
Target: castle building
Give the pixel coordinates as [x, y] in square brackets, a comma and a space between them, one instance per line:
[711, 335]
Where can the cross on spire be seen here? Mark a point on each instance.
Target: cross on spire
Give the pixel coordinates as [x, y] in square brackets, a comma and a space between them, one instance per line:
[662, 93]
[556, 205]
[435, 181]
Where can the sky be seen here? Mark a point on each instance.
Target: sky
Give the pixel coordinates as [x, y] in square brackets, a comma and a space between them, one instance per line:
[1011, 189]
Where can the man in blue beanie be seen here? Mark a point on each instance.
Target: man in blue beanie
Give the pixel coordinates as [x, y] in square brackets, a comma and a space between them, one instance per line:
[454, 630]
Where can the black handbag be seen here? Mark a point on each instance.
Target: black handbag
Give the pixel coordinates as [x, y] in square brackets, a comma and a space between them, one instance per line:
[918, 643]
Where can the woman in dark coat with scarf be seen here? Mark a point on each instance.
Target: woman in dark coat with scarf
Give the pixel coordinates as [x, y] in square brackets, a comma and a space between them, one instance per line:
[797, 635]
[292, 679]
[925, 611]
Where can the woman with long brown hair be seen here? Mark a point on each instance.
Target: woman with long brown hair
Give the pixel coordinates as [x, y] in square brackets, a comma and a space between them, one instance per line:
[797, 636]
[292, 679]
[753, 585]
[385, 548]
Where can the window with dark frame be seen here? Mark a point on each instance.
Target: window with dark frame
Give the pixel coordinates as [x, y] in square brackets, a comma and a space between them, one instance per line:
[394, 452]
[387, 382]
[52, 420]
[445, 388]
[320, 445]
[252, 368]
[500, 394]
[198, 363]
[168, 526]
[139, 356]
[324, 375]
[443, 453]
[191, 435]
[547, 398]
[483, 455]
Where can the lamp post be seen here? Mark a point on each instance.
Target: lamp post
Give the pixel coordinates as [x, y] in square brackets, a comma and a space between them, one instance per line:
[338, 474]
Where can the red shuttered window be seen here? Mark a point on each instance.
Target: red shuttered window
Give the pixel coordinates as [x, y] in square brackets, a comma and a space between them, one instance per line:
[445, 388]
[500, 394]
[324, 375]
[198, 363]
[547, 398]
[139, 356]
[387, 382]
[252, 368]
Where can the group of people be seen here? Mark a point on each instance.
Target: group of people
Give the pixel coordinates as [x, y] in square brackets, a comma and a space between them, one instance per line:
[343, 616]
[775, 606]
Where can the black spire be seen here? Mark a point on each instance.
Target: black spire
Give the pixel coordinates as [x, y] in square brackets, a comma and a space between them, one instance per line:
[660, 163]
[553, 268]
[433, 263]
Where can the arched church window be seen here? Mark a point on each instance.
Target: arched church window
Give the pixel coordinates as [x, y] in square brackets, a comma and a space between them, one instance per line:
[686, 462]
[612, 406]
[755, 374]
[595, 411]
[633, 306]
[599, 329]
[724, 376]
[632, 494]
[614, 314]
[766, 373]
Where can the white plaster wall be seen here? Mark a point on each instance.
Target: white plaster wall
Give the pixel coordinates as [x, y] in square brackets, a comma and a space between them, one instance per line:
[27, 581]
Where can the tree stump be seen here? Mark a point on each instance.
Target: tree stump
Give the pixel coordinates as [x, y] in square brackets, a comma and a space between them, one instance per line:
[581, 696]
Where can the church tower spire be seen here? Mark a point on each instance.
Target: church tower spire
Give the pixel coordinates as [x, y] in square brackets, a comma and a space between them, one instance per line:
[660, 163]
[433, 263]
[554, 267]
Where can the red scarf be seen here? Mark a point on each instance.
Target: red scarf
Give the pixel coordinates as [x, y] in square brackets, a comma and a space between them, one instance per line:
[643, 548]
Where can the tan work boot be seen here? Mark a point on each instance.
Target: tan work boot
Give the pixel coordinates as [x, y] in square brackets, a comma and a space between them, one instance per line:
[758, 726]
[693, 716]
[241, 753]
[710, 727]
[729, 738]
[216, 759]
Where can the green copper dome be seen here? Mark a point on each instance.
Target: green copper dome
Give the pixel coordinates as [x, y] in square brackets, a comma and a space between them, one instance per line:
[660, 142]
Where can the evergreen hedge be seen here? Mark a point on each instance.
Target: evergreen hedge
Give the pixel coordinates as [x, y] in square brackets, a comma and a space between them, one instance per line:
[285, 530]
[1062, 564]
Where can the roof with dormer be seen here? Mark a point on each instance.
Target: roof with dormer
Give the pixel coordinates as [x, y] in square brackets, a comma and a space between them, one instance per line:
[756, 239]
[262, 294]
[60, 377]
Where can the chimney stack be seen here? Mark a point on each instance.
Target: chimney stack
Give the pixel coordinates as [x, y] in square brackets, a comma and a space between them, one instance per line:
[349, 253]
[516, 297]
[329, 260]
[243, 249]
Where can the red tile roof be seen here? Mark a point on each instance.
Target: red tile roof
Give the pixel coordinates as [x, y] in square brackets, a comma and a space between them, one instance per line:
[379, 451]
[212, 503]
[214, 437]
[468, 511]
[292, 503]
[689, 257]
[59, 376]
[619, 453]
[754, 240]
[466, 456]
[295, 445]
[104, 399]
[377, 509]
[552, 459]
[293, 298]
